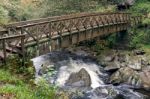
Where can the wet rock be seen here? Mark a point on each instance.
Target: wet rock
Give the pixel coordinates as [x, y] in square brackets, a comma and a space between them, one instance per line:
[126, 93]
[79, 79]
[103, 92]
[73, 93]
[109, 58]
[139, 52]
[45, 69]
[135, 63]
[113, 66]
[145, 77]
[122, 57]
[126, 75]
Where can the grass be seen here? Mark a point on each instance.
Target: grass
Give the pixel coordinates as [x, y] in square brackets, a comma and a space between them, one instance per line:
[11, 84]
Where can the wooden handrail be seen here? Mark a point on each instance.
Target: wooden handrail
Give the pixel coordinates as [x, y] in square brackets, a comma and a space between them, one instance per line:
[12, 37]
[15, 24]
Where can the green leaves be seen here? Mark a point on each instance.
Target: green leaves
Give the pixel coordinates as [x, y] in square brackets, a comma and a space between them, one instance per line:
[146, 21]
[16, 10]
[3, 15]
[141, 7]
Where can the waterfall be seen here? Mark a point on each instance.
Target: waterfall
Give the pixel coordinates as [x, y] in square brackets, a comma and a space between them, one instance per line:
[76, 65]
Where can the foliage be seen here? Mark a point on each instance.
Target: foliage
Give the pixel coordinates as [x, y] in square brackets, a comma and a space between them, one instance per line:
[3, 15]
[13, 85]
[15, 64]
[111, 40]
[6, 77]
[139, 37]
[146, 21]
[43, 89]
[18, 10]
[141, 7]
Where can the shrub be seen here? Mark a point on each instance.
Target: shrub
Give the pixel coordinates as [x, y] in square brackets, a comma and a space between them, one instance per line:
[3, 15]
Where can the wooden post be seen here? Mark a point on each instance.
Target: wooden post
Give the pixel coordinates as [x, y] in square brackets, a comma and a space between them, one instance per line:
[49, 36]
[4, 50]
[23, 48]
[92, 29]
[60, 40]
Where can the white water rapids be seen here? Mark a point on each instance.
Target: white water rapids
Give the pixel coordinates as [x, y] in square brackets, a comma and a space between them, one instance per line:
[76, 66]
[72, 66]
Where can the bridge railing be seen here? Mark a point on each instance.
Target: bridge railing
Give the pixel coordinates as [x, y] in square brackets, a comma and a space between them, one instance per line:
[57, 27]
[94, 18]
[136, 20]
[11, 45]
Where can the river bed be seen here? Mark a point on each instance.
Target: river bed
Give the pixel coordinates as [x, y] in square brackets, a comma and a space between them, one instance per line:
[81, 76]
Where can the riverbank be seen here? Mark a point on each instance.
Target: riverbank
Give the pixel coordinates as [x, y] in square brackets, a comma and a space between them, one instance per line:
[13, 86]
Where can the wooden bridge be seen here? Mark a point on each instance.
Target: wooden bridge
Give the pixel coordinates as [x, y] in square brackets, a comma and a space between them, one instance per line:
[37, 37]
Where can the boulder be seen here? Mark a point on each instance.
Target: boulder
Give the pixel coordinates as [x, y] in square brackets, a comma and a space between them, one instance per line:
[145, 77]
[135, 63]
[109, 58]
[121, 57]
[139, 52]
[79, 79]
[126, 75]
[105, 92]
[112, 66]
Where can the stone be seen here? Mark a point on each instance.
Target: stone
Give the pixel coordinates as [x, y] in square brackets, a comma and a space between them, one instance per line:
[113, 66]
[79, 79]
[139, 52]
[105, 91]
[45, 69]
[78, 84]
[145, 77]
[73, 92]
[134, 62]
[126, 75]
[127, 93]
[102, 92]
[109, 58]
[122, 58]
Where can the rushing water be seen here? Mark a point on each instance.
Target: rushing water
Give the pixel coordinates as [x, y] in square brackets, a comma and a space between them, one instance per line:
[65, 63]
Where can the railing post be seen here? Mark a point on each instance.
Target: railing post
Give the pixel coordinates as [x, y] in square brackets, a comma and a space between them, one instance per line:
[60, 39]
[23, 47]
[4, 50]
[49, 36]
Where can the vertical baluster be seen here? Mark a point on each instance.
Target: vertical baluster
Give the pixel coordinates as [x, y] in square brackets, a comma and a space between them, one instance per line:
[49, 36]
[4, 50]
[23, 47]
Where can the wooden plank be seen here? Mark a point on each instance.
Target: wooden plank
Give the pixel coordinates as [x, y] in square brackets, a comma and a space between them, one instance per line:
[12, 37]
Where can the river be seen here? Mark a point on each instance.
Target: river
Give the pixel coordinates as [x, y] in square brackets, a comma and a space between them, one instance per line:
[63, 64]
